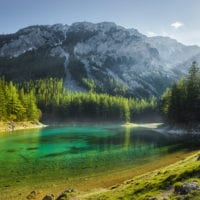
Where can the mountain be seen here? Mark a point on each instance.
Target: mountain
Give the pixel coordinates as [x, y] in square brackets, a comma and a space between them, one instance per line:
[172, 53]
[115, 58]
[186, 64]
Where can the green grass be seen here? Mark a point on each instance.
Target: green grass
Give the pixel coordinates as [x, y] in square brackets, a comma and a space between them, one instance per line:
[154, 184]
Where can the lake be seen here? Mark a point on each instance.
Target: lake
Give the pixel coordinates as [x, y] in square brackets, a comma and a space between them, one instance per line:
[27, 157]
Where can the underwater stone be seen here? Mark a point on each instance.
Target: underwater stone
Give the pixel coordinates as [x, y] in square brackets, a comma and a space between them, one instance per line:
[49, 197]
[63, 196]
[32, 195]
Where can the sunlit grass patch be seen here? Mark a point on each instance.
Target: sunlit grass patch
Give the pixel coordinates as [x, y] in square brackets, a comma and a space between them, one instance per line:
[155, 183]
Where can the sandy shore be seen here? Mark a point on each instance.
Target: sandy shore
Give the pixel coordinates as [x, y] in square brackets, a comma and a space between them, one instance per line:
[143, 125]
[6, 127]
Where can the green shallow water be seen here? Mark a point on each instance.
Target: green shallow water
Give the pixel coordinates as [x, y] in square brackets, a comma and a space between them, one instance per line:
[74, 151]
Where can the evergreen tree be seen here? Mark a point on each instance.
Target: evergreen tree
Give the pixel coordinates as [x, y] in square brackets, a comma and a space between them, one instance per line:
[3, 110]
[14, 103]
[15, 110]
[20, 102]
[193, 88]
[181, 103]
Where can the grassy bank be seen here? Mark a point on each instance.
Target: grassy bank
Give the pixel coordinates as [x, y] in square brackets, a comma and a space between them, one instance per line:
[9, 126]
[165, 183]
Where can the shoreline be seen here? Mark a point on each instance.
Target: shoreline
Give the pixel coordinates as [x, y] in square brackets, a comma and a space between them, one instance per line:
[9, 127]
[89, 184]
[177, 130]
[157, 177]
[164, 128]
[150, 125]
[160, 127]
[142, 125]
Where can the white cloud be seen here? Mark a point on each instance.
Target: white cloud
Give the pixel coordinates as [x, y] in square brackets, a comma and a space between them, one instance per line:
[177, 25]
[151, 34]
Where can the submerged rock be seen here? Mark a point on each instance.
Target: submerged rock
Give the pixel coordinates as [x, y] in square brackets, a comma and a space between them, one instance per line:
[63, 196]
[32, 195]
[49, 197]
[114, 187]
[69, 190]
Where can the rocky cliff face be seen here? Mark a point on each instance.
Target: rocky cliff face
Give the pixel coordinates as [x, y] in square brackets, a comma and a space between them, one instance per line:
[104, 52]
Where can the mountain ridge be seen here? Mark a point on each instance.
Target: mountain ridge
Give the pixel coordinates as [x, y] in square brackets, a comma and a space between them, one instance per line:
[111, 55]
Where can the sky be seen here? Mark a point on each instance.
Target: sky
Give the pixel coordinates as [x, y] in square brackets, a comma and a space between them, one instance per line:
[179, 19]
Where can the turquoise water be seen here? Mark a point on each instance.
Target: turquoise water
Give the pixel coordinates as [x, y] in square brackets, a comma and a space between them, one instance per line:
[76, 151]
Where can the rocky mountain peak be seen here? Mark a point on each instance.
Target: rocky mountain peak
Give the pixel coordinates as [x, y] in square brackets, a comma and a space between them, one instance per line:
[104, 52]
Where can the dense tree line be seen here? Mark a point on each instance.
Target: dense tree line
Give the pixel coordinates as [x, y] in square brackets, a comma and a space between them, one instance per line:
[15, 104]
[54, 99]
[114, 87]
[21, 102]
[181, 103]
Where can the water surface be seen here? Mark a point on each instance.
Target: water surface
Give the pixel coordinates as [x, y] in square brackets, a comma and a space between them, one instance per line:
[75, 151]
